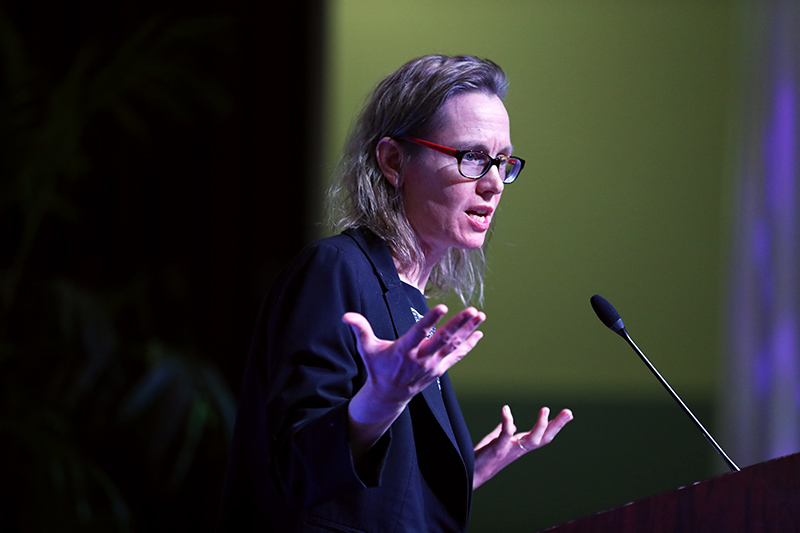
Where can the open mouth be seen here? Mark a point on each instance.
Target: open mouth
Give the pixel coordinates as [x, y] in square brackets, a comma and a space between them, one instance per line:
[481, 216]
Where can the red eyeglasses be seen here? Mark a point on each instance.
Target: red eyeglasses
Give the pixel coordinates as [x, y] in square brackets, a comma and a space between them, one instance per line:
[474, 164]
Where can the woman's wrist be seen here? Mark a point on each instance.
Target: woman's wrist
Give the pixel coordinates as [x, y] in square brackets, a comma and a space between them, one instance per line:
[369, 418]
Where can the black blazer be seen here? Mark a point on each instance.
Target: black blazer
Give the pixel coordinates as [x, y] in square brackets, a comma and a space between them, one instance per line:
[290, 467]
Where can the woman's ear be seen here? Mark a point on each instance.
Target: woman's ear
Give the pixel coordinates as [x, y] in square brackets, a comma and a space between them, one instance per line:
[389, 159]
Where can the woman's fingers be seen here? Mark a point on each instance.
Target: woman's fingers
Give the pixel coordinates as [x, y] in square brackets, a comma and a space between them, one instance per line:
[414, 360]
[457, 335]
[537, 433]
[556, 425]
[508, 422]
[545, 430]
[449, 343]
[414, 337]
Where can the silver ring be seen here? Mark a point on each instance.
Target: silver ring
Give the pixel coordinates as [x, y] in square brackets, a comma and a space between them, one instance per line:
[521, 446]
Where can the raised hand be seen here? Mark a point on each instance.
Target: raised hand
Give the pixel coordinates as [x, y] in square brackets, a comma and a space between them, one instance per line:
[399, 369]
[503, 446]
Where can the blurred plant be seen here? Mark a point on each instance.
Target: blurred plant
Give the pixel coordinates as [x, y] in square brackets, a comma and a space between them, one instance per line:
[75, 392]
[196, 398]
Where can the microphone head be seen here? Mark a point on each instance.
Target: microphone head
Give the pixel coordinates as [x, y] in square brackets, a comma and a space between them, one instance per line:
[607, 314]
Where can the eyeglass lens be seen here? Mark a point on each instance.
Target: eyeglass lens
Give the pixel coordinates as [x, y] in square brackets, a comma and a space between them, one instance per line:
[476, 164]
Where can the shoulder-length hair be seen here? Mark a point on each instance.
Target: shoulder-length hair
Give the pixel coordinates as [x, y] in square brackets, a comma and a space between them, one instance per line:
[407, 103]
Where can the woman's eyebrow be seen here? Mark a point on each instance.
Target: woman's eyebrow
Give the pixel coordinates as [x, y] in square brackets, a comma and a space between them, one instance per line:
[483, 147]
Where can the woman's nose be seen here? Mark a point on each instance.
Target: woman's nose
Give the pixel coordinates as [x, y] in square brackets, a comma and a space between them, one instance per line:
[491, 182]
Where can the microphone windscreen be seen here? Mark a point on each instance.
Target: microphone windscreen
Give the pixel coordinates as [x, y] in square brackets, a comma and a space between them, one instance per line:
[605, 311]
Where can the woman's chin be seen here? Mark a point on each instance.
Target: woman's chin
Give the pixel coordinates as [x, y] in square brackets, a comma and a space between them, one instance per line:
[474, 242]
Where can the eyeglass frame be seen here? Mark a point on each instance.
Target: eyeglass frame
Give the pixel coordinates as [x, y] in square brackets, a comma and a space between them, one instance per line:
[459, 155]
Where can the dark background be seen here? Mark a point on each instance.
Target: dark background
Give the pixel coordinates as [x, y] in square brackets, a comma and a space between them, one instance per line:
[154, 164]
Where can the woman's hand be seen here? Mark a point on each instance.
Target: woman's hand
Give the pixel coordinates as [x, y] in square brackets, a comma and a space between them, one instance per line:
[503, 446]
[398, 370]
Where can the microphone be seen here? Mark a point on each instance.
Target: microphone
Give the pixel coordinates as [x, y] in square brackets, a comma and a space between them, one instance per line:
[610, 317]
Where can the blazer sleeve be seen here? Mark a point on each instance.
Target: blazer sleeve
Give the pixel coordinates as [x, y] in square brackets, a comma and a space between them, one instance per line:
[307, 368]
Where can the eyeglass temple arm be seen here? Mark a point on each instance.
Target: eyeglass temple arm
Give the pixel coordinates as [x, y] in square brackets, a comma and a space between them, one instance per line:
[437, 147]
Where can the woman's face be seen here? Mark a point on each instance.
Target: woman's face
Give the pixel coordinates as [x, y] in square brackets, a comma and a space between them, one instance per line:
[446, 209]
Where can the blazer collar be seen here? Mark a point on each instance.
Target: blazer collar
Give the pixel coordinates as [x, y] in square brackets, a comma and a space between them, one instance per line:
[377, 251]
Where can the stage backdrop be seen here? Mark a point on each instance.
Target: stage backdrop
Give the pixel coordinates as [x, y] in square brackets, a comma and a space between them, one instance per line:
[620, 109]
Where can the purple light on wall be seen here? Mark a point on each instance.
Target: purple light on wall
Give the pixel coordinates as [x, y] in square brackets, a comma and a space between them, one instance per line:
[763, 372]
[780, 337]
[780, 158]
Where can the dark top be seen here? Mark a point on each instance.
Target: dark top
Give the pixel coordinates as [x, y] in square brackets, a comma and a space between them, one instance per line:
[290, 467]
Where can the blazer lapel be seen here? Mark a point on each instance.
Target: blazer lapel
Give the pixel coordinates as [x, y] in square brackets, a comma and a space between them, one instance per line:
[400, 311]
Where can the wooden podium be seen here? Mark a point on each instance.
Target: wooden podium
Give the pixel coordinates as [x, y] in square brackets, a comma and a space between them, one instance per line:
[763, 497]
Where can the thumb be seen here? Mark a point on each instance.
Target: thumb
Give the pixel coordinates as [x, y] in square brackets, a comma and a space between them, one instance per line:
[509, 428]
[360, 326]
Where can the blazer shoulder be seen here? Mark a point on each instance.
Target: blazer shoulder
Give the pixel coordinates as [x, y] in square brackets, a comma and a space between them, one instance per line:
[358, 248]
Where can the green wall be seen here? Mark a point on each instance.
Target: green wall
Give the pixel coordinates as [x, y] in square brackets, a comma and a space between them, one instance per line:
[619, 108]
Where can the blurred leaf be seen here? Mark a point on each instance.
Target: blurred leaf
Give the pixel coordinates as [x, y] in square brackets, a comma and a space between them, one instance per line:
[196, 424]
[186, 396]
[147, 391]
[222, 397]
[86, 315]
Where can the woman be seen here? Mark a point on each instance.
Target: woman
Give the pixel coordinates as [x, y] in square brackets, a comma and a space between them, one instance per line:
[347, 419]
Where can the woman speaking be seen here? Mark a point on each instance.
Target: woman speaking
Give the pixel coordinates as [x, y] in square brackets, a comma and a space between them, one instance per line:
[347, 418]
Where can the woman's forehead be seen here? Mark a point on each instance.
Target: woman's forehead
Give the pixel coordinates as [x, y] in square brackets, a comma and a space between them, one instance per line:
[475, 117]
